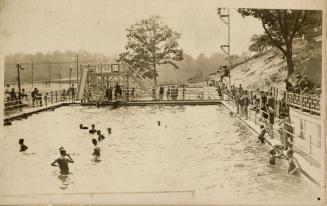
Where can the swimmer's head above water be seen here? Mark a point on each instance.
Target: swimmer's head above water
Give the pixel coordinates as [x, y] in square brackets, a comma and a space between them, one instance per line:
[94, 141]
[21, 141]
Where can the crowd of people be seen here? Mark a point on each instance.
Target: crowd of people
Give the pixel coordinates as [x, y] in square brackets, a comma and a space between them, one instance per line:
[302, 86]
[264, 104]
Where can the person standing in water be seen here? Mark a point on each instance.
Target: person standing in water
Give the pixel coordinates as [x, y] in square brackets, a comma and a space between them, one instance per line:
[62, 162]
[92, 130]
[96, 150]
[23, 147]
[293, 164]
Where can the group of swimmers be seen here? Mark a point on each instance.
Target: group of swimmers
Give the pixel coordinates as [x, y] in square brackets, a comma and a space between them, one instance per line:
[277, 153]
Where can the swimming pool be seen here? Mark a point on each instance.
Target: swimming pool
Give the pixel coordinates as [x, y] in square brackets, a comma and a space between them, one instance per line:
[200, 148]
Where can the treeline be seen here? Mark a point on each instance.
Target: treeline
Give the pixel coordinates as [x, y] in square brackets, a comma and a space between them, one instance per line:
[57, 62]
[49, 65]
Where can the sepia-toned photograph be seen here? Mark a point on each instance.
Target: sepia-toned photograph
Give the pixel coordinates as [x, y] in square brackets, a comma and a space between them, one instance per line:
[163, 102]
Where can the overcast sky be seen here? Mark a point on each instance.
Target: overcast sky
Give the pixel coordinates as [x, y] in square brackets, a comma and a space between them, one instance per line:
[100, 26]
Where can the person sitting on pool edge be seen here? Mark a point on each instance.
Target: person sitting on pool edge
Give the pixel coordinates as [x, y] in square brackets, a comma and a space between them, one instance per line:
[23, 147]
[100, 136]
[82, 127]
[63, 161]
[92, 130]
[96, 150]
[293, 164]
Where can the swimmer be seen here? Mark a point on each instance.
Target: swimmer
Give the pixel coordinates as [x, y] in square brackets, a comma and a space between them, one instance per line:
[100, 136]
[109, 130]
[23, 147]
[261, 136]
[82, 127]
[293, 164]
[276, 152]
[159, 123]
[92, 130]
[96, 150]
[62, 161]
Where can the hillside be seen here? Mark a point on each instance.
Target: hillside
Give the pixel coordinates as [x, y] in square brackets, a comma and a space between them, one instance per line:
[269, 69]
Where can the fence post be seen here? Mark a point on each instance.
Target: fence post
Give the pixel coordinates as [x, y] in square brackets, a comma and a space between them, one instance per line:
[310, 152]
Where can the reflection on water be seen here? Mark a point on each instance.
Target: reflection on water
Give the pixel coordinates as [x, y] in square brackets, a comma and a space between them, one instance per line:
[199, 148]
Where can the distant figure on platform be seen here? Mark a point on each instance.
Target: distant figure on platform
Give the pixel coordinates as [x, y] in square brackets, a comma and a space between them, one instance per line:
[23, 94]
[23, 147]
[263, 98]
[109, 130]
[293, 164]
[161, 92]
[62, 162]
[7, 92]
[153, 93]
[82, 127]
[118, 91]
[168, 93]
[13, 95]
[96, 150]
[92, 130]
[246, 102]
[133, 93]
[73, 92]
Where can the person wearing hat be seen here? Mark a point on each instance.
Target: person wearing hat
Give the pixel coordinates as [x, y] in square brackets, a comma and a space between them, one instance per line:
[289, 86]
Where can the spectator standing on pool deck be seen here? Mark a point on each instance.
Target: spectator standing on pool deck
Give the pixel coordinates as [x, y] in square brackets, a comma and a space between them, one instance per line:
[246, 102]
[168, 93]
[263, 98]
[261, 136]
[271, 115]
[13, 95]
[23, 147]
[22, 94]
[118, 91]
[237, 102]
[133, 93]
[109, 94]
[241, 103]
[271, 100]
[288, 85]
[161, 92]
[62, 162]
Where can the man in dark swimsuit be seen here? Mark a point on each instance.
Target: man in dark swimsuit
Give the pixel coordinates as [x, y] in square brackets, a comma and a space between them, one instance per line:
[62, 162]
[23, 147]
[92, 130]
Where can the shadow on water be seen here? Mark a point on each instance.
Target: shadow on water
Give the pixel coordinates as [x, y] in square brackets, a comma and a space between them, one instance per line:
[65, 180]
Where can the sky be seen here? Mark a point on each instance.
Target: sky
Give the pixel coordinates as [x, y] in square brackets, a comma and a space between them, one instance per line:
[32, 26]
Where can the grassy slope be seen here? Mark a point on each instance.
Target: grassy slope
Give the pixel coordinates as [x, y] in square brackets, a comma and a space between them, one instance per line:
[269, 69]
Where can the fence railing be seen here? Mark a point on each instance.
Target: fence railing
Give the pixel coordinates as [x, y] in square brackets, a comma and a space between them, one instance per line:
[40, 100]
[304, 102]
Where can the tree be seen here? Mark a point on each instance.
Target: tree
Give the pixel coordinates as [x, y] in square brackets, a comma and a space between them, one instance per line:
[151, 43]
[259, 43]
[282, 26]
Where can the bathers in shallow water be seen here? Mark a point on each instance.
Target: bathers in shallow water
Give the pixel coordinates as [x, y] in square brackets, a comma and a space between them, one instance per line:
[63, 165]
[96, 151]
[23, 148]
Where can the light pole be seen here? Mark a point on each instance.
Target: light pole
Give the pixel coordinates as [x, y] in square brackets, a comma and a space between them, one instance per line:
[70, 76]
[19, 67]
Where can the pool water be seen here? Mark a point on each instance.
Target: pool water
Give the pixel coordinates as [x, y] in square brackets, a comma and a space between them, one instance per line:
[200, 148]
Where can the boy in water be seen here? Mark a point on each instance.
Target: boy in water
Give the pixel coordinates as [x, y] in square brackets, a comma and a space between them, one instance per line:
[293, 164]
[82, 127]
[23, 147]
[92, 130]
[96, 151]
[100, 136]
[261, 136]
[63, 161]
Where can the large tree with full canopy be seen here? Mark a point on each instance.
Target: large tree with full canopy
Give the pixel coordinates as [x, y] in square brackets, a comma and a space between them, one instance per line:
[151, 43]
[283, 26]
